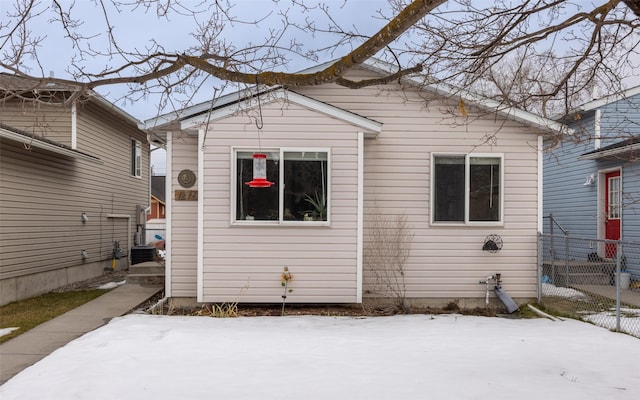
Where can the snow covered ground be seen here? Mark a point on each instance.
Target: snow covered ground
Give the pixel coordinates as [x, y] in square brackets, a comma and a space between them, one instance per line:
[310, 357]
[629, 317]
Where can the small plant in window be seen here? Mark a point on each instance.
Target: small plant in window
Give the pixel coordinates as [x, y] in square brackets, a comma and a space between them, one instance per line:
[318, 203]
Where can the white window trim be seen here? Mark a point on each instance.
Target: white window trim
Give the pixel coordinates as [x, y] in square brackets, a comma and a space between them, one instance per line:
[466, 221]
[133, 166]
[281, 221]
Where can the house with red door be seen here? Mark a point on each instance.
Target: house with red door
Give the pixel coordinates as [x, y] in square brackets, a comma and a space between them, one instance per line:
[592, 178]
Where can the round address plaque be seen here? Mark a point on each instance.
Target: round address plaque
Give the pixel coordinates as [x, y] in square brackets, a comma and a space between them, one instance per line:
[186, 178]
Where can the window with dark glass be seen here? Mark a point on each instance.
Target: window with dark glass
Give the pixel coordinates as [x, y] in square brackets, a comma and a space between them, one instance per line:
[449, 189]
[136, 158]
[300, 179]
[484, 189]
[457, 200]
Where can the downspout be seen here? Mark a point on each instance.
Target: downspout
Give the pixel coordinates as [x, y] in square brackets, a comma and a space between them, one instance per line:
[540, 198]
[596, 124]
[360, 219]
[596, 142]
[168, 224]
[200, 244]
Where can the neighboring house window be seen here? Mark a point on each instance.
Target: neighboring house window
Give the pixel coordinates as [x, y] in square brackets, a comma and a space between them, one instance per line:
[136, 158]
[300, 189]
[467, 188]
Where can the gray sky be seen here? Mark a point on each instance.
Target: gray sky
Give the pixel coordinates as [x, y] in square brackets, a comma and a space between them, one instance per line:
[135, 29]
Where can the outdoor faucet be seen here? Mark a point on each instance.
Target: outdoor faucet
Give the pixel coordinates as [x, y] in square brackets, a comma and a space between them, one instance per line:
[486, 281]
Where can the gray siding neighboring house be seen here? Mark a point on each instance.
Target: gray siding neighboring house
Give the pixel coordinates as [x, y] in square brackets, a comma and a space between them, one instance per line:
[58, 164]
[604, 143]
[383, 147]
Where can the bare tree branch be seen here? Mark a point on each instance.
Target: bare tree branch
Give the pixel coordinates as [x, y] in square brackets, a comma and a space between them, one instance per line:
[556, 49]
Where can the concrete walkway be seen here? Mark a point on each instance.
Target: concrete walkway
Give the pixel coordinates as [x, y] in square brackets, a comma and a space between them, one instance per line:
[32, 346]
[629, 296]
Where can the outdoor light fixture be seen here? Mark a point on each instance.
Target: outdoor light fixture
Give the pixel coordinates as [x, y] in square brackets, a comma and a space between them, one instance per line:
[591, 179]
[84, 217]
[84, 254]
[259, 172]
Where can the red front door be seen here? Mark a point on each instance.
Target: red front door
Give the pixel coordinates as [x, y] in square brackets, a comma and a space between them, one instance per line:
[613, 208]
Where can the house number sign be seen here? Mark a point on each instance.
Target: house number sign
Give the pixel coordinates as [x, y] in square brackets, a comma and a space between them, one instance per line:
[186, 195]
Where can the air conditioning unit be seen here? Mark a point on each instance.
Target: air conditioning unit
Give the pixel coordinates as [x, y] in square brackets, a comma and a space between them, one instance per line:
[140, 254]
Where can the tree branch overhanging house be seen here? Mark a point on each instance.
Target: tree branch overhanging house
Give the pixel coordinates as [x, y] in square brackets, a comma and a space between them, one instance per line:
[455, 167]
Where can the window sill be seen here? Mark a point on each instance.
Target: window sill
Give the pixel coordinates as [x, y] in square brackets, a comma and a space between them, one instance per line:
[307, 224]
[466, 224]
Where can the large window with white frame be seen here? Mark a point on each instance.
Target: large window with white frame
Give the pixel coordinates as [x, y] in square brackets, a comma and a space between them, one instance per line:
[300, 190]
[136, 158]
[467, 188]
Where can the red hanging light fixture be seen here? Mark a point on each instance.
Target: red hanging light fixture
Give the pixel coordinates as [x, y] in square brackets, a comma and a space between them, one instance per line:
[259, 172]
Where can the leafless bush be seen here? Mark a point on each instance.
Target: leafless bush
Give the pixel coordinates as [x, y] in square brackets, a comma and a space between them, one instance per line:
[386, 250]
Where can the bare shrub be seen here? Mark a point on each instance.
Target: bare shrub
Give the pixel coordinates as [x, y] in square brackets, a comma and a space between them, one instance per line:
[386, 250]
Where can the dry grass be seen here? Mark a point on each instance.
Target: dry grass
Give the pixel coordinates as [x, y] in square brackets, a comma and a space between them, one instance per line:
[29, 313]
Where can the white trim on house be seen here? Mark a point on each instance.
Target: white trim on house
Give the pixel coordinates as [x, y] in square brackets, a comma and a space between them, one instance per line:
[540, 182]
[598, 103]
[596, 155]
[168, 215]
[47, 145]
[448, 91]
[512, 113]
[200, 248]
[74, 125]
[360, 219]
[197, 109]
[281, 157]
[113, 108]
[372, 128]
[595, 104]
[601, 210]
[228, 104]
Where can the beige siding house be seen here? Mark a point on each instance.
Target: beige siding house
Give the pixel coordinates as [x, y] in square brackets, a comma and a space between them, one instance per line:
[434, 172]
[71, 179]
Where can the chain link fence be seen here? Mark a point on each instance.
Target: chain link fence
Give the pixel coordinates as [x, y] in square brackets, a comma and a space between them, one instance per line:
[595, 280]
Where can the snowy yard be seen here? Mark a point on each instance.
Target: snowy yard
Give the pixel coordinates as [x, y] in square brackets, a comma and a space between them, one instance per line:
[629, 317]
[304, 357]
